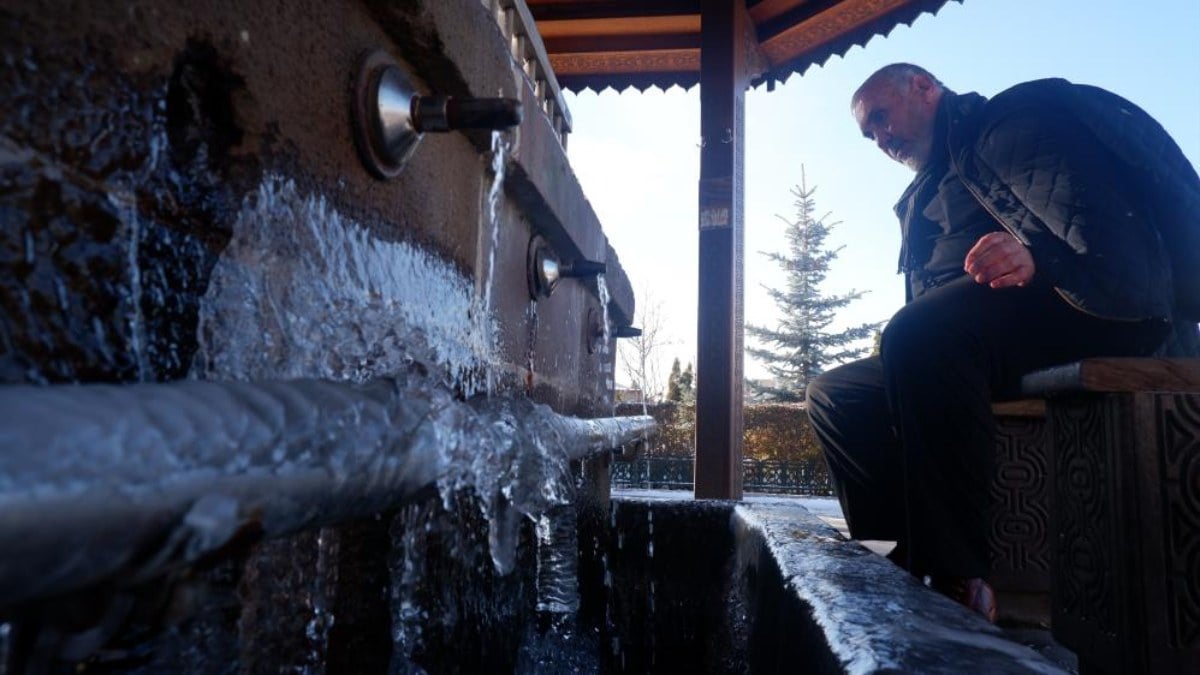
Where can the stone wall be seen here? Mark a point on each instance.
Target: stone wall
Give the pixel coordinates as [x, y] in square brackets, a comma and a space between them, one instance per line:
[181, 197]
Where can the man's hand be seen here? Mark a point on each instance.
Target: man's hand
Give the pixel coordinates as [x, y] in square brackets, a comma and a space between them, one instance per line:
[999, 261]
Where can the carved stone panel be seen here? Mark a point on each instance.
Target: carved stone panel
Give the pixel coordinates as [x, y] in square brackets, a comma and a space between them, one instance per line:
[1177, 435]
[1019, 537]
[1125, 478]
[1085, 595]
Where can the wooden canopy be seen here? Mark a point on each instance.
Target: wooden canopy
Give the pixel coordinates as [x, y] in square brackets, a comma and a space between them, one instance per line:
[596, 44]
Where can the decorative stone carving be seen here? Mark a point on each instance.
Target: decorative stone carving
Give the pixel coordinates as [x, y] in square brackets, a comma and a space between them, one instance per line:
[1019, 539]
[1126, 530]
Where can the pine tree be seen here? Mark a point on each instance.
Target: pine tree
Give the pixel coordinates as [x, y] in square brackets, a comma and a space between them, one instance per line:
[802, 345]
[687, 389]
[673, 391]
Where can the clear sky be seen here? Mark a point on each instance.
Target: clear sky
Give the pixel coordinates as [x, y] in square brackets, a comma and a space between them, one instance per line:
[637, 156]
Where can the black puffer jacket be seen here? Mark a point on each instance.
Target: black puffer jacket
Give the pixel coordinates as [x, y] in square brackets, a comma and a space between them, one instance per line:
[1104, 199]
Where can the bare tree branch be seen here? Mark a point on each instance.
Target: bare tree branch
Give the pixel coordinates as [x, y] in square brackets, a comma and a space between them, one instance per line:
[640, 357]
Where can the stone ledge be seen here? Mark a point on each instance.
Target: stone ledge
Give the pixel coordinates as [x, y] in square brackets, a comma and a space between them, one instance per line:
[803, 599]
[875, 617]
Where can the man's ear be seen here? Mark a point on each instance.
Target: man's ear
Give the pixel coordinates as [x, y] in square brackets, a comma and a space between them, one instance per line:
[921, 86]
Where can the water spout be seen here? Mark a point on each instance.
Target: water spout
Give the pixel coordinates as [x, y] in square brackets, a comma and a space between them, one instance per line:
[545, 268]
[390, 116]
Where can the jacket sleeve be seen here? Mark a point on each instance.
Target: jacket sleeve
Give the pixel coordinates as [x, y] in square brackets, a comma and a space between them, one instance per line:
[1069, 200]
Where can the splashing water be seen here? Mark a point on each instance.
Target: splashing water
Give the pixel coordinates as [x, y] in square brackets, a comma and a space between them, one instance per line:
[408, 615]
[326, 575]
[531, 315]
[303, 292]
[515, 465]
[558, 561]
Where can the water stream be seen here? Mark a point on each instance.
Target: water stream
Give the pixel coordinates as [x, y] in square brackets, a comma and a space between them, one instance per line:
[304, 292]
[499, 159]
[301, 291]
[5, 646]
[602, 294]
[126, 205]
[492, 226]
[323, 588]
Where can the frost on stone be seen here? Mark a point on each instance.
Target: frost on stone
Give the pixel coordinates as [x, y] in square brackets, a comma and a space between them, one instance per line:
[302, 291]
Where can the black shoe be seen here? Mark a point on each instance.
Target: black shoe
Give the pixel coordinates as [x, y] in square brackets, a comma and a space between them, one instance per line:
[899, 556]
[974, 594]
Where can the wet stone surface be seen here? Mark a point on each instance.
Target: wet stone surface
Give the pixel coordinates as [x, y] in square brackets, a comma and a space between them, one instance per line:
[114, 198]
[799, 598]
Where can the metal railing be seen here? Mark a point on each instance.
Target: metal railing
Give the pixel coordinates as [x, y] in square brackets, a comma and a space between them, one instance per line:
[772, 476]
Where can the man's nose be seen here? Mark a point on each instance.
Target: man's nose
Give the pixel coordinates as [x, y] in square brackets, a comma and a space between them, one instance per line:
[883, 139]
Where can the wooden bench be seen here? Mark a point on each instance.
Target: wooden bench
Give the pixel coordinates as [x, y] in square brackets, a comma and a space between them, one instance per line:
[1123, 477]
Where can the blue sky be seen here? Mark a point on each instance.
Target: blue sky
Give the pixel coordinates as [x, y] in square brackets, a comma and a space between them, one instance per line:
[637, 156]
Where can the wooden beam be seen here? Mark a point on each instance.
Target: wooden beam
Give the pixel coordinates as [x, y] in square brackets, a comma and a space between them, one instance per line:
[646, 44]
[837, 19]
[658, 25]
[767, 10]
[603, 9]
[625, 35]
[608, 63]
[724, 52]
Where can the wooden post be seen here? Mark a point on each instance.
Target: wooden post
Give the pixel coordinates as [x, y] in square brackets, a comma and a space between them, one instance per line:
[723, 79]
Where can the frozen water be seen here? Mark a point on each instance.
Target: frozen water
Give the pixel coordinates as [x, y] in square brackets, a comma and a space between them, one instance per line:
[302, 291]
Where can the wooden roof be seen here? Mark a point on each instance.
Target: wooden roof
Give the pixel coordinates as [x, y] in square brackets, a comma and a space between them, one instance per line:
[596, 44]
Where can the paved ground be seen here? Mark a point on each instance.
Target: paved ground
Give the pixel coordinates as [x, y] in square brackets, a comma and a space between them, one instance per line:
[828, 510]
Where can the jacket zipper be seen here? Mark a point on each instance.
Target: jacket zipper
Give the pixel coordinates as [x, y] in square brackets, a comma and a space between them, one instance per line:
[995, 216]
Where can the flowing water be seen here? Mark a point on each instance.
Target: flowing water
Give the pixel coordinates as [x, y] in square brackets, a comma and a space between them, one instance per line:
[5, 639]
[499, 159]
[606, 334]
[494, 192]
[126, 205]
[321, 590]
[301, 291]
[558, 561]
[602, 294]
[280, 285]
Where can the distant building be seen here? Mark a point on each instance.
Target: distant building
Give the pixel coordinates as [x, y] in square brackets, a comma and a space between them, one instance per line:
[627, 395]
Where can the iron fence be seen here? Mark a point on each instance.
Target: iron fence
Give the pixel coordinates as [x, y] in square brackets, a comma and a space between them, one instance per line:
[758, 475]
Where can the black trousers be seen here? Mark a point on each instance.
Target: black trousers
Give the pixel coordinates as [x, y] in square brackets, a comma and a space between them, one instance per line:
[909, 434]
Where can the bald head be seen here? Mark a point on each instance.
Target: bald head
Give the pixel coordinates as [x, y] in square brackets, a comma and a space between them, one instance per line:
[897, 75]
[896, 107]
